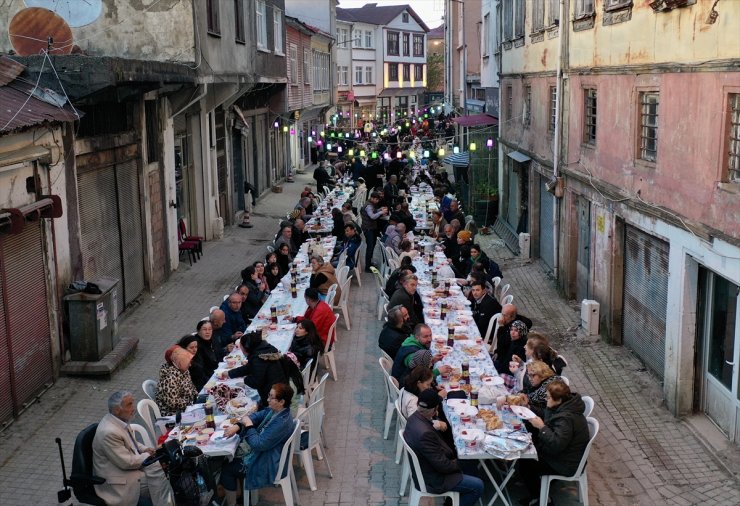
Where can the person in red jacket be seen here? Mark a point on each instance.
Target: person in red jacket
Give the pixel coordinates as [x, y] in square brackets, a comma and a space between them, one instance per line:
[319, 313]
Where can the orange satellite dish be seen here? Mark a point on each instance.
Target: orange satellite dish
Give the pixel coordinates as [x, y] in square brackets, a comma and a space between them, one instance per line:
[30, 29]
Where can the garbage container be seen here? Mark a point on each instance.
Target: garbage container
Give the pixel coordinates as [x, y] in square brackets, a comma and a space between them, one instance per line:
[93, 325]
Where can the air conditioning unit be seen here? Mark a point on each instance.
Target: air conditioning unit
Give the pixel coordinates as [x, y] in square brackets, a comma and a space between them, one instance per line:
[590, 317]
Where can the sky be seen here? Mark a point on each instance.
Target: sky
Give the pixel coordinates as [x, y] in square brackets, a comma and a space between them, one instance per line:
[431, 11]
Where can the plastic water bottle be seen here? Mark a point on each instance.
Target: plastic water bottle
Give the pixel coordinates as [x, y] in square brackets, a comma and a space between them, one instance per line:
[200, 481]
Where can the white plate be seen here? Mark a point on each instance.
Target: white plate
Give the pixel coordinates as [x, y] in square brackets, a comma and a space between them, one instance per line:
[466, 410]
[524, 413]
[218, 438]
[456, 403]
[493, 380]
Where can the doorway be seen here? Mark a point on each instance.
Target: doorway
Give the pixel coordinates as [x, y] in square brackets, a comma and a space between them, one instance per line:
[719, 344]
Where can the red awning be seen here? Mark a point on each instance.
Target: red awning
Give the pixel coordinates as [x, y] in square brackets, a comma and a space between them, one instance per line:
[476, 120]
[48, 206]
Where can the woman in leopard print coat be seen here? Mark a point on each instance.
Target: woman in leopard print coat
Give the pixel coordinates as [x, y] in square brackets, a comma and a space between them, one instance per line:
[175, 390]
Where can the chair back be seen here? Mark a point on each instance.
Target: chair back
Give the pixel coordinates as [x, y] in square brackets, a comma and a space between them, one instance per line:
[565, 380]
[507, 300]
[384, 355]
[341, 262]
[345, 293]
[331, 293]
[504, 291]
[378, 278]
[589, 405]
[314, 415]
[492, 331]
[415, 466]
[401, 418]
[149, 412]
[150, 388]
[386, 363]
[393, 389]
[306, 374]
[593, 430]
[496, 281]
[331, 337]
[342, 273]
[141, 435]
[318, 392]
[82, 467]
[393, 264]
[287, 452]
[182, 228]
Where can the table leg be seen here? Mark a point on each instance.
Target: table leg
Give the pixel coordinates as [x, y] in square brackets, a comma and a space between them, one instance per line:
[499, 490]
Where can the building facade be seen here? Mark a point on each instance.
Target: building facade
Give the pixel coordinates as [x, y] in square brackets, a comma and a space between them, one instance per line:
[388, 60]
[620, 159]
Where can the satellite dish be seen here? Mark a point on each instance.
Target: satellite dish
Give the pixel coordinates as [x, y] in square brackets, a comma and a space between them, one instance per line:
[75, 12]
[31, 29]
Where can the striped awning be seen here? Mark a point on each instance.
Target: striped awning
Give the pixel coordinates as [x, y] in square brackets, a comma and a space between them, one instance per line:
[458, 159]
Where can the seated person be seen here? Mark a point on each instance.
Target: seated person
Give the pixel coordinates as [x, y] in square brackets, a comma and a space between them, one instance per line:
[395, 331]
[537, 348]
[234, 324]
[504, 348]
[265, 366]
[393, 280]
[245, 309]
[407, 250]
[319, 313]
[207, 357]
[419, 379]
[175, 388]
[533, 396]
[322, 277]
[440, 467]
[255, 297]
[483, 306]
[560, 438]
[118, 458]
[408, 297]
[272, 275]
[265, 433]
[337, 219]
[284, 258]
[351, 244]
[306, 344]
[300, 235]
[286, 237]
[408, 356]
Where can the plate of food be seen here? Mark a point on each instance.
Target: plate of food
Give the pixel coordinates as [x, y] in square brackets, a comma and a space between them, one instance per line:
[492, 380]
[524, 413]
[493, 421]
[517, 400]
[472, 437]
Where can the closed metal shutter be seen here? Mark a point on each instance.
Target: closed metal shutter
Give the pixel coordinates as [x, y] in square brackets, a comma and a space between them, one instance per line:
[6, 398]
[512, 215]
[99, 234]
[645, 297]
[546, 225]
[111, 230]
[26, 316]
[131, 238]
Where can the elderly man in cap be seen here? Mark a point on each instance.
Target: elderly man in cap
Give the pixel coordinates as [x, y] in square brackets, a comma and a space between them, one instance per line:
[439, 464]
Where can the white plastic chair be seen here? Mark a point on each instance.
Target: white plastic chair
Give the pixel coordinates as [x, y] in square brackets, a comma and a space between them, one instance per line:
[401, 426]
[382, 296]
[149, 412]
[386, 362]
[565, 380]
[342, 273]
[392, 255]
[504, 291]
[384, 355]
[306, 374]
[331, 294]
[391, 390]
[288, 483]
[393, 264]
[507, 300]
[359, 258]
[589, 402]
[342, 260]
[492, 332]
[342, 304]
[150, 388]
[314, 415]
[318, 392]
[580, 475]
[329, 360]
[141, 435]
[421, 491]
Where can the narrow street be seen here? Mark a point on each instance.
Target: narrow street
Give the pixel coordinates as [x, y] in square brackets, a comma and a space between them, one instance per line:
[642, 455]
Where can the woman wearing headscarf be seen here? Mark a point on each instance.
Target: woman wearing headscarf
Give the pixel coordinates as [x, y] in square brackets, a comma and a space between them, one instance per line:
[207, 357]
[175, 390]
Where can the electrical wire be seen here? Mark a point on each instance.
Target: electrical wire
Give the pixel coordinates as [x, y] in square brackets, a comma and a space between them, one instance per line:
[30, 94]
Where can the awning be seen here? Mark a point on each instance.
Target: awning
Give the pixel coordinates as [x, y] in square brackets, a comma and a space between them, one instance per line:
[458, 159]
[518, 157]
[476, 120]
[400, 92]
[48, 206]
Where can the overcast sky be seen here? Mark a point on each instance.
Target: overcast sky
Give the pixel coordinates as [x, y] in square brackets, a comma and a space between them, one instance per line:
[431, 11]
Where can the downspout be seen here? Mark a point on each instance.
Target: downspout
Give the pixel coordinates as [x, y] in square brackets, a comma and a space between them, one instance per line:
[562, 56]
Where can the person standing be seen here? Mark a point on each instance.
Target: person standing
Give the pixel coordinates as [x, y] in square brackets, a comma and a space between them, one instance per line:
[370, 215]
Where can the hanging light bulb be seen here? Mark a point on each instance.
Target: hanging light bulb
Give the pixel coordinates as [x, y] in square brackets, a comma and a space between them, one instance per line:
[412, 155]
[319, 143]
[362, 153]
[328, 146]
[473, 147]
[292, 131]
[313, 132]
[276, 124]
[375, 155]
[351, 152]
[426, 153]
[489, 143]
[441, 152]
[333, 134]
[407, 124]
[346, 135]
[310, 139]
[285, 129]
[375, 134]
[398, 154]
[339, 149]
[386, 156]
[323, 134]
[456, 150]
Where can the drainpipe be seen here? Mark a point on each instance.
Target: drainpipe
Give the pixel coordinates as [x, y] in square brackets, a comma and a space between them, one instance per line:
[202, 94]
[562, 57]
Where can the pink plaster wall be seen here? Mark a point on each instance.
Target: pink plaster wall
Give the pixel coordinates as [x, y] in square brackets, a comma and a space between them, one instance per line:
[691, 153]
[534, 139]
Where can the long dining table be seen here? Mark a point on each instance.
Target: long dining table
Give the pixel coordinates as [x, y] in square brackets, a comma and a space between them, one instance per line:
[495, 437]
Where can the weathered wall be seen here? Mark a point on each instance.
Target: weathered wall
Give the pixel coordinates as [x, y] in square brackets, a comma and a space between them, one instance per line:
[135, 29]
[690, 157]
[680, 36]
[534, 138]
[222, 54]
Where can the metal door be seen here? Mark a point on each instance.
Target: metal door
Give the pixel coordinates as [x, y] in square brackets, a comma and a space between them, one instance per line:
[645, 297]
[583, 260]
[131, 230]
[512, 213]
[718, 330]
[26, 336]
[546, 225]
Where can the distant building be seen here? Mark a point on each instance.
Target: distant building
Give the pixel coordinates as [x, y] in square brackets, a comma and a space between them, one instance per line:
[388, 71]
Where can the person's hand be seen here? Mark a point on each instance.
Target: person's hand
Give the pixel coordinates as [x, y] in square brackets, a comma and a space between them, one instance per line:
[223, 375]
[439, 425]
[513, 366]
[437, 357]
[537, 422]
[500, 401]
[445, 369]
[237, 335]
[442, 392]
[517, 359]
[246, 421]
[231, 430]
[230, 347]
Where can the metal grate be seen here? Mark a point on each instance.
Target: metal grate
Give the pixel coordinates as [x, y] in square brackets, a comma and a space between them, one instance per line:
[733, 160]
[546, 225]
[649, 126]
[505, 232]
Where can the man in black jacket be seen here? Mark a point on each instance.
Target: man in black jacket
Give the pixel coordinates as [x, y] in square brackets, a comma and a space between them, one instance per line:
[440, 467]
[407, 296]
[483, 306]
[395, 331]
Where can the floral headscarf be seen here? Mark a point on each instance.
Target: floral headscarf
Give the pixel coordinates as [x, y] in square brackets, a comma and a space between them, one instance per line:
[521, 327]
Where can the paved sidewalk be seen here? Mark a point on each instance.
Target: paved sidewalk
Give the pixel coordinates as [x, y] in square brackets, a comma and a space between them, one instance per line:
[642, 456]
